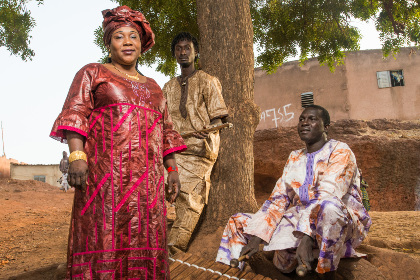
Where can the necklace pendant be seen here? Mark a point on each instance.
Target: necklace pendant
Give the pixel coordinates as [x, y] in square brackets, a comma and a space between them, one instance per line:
[136, 77]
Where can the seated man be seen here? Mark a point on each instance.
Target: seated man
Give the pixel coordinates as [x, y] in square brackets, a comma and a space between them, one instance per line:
[315, 204]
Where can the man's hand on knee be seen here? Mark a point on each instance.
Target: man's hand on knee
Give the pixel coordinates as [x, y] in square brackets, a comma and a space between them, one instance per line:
[252, 247]
[304, 251]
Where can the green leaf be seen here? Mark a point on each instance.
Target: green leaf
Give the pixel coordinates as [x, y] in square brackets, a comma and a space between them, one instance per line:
[16, 24]
[285, 29]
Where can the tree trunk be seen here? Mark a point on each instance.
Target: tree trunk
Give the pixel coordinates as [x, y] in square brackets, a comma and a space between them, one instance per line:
[226, 51]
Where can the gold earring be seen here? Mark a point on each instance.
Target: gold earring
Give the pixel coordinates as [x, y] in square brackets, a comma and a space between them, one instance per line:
[109, 54]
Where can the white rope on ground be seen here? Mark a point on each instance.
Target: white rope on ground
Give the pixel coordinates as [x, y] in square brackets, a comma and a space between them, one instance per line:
[206, 269]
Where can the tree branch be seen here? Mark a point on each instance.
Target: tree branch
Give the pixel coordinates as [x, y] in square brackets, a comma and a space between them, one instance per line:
[397, 26]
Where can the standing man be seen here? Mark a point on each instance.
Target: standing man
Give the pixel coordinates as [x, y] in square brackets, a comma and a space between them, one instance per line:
[64, 168]
[195, 102]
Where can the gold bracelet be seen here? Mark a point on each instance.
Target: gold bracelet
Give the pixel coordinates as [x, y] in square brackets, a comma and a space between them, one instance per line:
[76, 155]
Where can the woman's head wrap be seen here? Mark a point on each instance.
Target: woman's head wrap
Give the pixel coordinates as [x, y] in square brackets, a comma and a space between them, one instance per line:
[124, 16]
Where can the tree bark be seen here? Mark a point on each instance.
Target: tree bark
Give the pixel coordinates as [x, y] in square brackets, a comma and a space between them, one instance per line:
[226, 51]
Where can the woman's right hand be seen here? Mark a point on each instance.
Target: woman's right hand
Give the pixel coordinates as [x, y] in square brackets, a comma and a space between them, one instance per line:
[77, 176]
[78, 169]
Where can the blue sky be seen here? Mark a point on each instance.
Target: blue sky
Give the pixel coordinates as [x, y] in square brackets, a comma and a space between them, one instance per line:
[33, 92]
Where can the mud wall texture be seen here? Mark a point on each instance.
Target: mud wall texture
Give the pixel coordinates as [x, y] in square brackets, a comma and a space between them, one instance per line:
[350, 92]
[387, 152]
[27, 172]
[5, 166]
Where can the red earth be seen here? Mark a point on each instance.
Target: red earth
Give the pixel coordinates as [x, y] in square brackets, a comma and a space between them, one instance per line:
[34, 223]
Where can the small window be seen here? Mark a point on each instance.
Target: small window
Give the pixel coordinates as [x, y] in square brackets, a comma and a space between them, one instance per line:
[393, 78]
[40, 178]
[397, 78]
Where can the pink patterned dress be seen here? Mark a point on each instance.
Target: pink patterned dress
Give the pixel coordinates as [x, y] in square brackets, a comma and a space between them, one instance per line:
[118, 226]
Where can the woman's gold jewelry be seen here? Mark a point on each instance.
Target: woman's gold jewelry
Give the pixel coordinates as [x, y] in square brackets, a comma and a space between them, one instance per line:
[76, 155]
[135, 77]
[109, 55]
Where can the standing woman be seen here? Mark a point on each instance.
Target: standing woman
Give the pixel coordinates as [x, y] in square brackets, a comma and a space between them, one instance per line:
[120, 136]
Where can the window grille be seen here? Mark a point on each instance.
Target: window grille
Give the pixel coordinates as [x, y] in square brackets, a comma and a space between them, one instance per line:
[40, 178]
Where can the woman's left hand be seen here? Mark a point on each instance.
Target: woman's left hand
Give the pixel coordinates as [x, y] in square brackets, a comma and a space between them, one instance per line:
[174, 186]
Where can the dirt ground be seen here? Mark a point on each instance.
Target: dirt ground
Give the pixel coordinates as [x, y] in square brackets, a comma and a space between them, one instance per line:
[34, 223]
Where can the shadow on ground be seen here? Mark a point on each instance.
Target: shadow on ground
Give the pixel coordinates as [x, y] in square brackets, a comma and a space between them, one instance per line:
[52, 272]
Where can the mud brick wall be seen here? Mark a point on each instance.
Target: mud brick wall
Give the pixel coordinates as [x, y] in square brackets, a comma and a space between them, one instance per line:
[387, 152]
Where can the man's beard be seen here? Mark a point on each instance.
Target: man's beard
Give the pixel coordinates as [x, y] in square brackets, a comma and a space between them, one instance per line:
[185, 64]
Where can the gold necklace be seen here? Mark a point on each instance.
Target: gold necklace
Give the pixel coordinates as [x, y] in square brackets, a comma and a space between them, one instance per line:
[135, 77]
[183, 81]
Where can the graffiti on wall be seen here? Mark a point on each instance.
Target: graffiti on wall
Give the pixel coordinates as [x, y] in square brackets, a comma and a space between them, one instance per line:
[278, 116]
